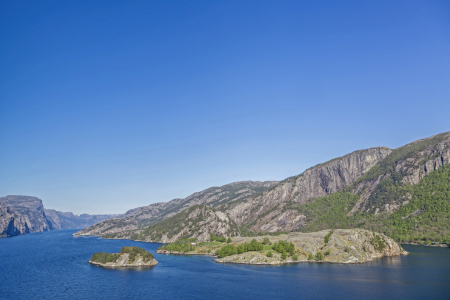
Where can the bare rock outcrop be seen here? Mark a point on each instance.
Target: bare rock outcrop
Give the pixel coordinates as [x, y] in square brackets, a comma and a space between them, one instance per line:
[315, 182]
[411, 162]
[430, 159]
[11, 223]
[199, 221]
[31, 209]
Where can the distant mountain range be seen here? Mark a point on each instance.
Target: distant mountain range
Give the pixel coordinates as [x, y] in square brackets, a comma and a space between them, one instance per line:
[26, 214]
[403, 192]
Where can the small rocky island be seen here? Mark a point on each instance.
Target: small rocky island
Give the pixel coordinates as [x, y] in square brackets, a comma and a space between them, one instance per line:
[128, 257]
[345, 246]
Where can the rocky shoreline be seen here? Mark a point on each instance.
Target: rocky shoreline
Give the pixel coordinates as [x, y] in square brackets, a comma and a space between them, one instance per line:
[417, 244]
[122, 262]
[132, 265]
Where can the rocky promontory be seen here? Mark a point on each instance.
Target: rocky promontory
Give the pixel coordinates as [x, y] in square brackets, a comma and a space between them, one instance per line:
[128, 257]
[345, 246]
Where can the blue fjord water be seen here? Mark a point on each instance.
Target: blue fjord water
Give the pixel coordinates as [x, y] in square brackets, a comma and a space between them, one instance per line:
[53, 265]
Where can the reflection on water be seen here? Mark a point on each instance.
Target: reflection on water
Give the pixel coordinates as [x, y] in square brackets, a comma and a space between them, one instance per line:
[54, 265]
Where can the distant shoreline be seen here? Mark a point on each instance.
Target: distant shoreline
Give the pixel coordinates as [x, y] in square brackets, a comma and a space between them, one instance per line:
[416, 244]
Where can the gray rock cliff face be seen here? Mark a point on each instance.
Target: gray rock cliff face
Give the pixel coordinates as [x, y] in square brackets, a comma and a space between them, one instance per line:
[151, 214]
[265, 211]
[430, 159]
[11, 223]
[31, 209]
[412, 162]
[26, 214]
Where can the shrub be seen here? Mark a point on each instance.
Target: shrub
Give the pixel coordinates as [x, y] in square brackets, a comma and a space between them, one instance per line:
[319, 256]
[229, 240]
[284, 255]
[310, 256]
[266, 241]
[284, 246]
[269, 254]
[252, 246]
[227, 251]
[133, 251]
[294, 257]
[327, 237]
[327, 252]
[377, 242]
[347, 249]
[220, 239]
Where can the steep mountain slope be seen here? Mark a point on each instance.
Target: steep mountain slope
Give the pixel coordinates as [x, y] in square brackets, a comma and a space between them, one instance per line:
[405, 196]
[30, 208]
[11, 223]
[67, 220]
[265, 212]
[151, 214]
[198, 221]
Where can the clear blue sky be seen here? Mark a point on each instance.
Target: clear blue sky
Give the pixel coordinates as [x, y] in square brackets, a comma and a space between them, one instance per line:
[110, 105]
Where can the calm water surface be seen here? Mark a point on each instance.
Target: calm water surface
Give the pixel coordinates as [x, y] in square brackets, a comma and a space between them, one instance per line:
[53, 265]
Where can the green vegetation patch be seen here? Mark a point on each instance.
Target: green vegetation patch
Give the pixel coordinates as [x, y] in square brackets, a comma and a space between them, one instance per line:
[378, 242]
[327, 237]
[252, 246]
[181, 245]
[319, 256]
[284, 247]
[220, 239]
[227, 251]
[104, 257]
